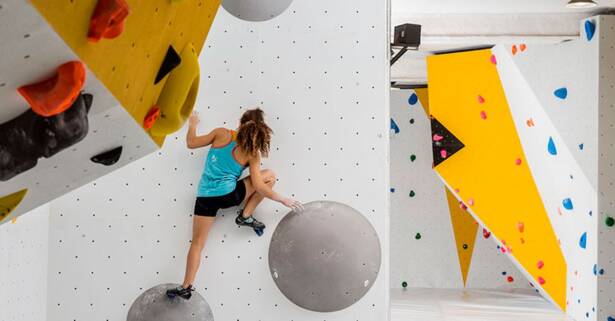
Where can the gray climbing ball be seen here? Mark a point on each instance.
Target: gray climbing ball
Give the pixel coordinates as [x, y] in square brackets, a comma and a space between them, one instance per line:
[154, 305]
[326, 257]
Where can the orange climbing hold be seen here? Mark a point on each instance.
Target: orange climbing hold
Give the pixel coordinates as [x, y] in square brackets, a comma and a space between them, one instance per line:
[56, 94]
[151, 117]
[108, 19]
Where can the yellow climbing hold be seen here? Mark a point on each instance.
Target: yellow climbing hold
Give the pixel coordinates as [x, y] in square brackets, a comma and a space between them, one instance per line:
[8, 203]
[177, 99]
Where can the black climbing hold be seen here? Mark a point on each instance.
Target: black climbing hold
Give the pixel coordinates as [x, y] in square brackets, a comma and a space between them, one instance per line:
[444, 143]
[29, 136]
[108, 158]
[170, 62]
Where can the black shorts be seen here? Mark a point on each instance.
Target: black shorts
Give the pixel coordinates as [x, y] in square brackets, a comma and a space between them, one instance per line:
[209, 206]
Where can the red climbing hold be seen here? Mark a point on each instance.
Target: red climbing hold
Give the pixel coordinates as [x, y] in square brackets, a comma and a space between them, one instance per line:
[541, 280]
[510, 279]
[483, 115]
[151, 117]
[108, 19]
[56, 94]
[540, 265]
[486, 234]
[481, 99]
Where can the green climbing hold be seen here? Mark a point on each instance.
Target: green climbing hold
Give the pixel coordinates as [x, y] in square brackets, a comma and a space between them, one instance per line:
[412, 193]
[418, 236]
[412, 158]
[404, 284]
[610, 221]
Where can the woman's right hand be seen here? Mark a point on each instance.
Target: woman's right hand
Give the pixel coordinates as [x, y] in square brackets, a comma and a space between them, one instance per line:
[194, 119]
[292, 204]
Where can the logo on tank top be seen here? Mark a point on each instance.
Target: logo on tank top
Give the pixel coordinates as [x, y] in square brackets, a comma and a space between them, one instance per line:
[214, 158]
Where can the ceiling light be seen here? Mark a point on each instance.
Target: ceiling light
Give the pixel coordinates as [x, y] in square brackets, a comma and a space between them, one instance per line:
[576, 4]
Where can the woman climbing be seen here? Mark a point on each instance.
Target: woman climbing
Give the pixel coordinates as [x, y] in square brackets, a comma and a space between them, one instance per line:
[220, 187]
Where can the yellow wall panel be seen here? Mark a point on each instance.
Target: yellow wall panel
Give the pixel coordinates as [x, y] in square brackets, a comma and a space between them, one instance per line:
[486, 174]
[128, 64]
[465, 229]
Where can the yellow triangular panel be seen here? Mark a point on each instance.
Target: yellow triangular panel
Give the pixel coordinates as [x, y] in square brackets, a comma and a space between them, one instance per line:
[9, 202]
[467, 97]
[423, 95]
[465, 229]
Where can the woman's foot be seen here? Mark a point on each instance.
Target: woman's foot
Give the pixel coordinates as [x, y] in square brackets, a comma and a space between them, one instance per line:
[250, 221]
[180, 291]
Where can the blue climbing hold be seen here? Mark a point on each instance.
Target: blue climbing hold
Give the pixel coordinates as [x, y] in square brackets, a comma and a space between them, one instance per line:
[568, 204]
[581, 146]
[595, 269]
[394, 126]
[583, 241]
[392, 190]
[590, 29]
[551, 147]
[610, 319]
[413, 99]
[561, 93]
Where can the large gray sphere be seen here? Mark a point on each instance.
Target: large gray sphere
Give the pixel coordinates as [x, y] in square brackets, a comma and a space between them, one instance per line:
[256, 10]
[153, 305]
[326, 257]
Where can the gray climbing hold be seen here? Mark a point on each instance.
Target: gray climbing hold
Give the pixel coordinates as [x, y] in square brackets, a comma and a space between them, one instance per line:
[326, 257]
[154, 305]
[256, 10]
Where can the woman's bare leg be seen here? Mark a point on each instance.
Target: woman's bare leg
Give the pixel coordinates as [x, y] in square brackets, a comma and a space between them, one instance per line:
[254, 198]
[200, 229]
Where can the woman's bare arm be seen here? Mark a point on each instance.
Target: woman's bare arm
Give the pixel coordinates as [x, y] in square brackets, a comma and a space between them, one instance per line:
[264, 189]
[195, 141]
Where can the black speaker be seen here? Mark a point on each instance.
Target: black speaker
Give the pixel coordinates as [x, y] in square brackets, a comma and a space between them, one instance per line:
[407, 35]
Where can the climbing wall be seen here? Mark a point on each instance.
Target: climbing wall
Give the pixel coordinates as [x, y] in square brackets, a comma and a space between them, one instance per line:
[606, 180]
[528, 122]
[434, 243]
[31, 51]
[318, 72]
[23, 266]
[129, 63]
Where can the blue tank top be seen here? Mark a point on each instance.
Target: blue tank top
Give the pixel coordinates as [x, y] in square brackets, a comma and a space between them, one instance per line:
[221, 171]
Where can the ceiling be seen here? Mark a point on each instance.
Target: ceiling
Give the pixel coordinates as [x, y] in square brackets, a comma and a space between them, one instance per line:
[400, 7]
[458, 24]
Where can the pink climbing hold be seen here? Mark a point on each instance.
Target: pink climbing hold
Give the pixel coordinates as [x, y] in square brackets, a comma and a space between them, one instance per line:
[518, 161]
[541, 281]
[540, 265]
[483, 115]
[481, 100]
[463, 206]
[443, 153]
[494, 60]
[437, 138]
[521, 227]
[471, 202]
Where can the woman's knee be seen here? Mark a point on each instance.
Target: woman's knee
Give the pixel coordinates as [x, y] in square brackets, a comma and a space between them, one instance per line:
[198, 244]
[269, 176]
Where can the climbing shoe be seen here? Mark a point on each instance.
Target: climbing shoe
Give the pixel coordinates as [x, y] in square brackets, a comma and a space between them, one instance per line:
[180, 291]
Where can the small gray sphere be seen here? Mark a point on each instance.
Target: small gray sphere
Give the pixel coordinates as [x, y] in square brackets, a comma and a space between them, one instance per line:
[326, 257]
[154, 305]
[256, 10]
